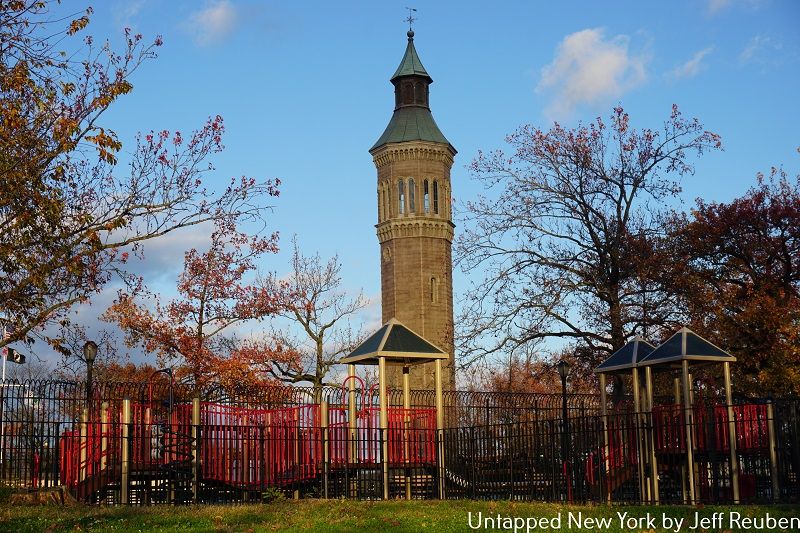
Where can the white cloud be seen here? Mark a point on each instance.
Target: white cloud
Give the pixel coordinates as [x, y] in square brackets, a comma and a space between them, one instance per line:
[590, 69]
[126, 12]
[213, 23]
[715, 6]
[757, 46]
[693, 66]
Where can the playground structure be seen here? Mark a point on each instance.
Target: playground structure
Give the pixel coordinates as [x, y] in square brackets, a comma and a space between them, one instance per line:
[160, 443]
[689, 441]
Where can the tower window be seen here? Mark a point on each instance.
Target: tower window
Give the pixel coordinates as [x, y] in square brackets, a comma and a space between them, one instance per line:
[401, 196]
[426, 197]
[436, 197]
[412, 208]
[434, 289]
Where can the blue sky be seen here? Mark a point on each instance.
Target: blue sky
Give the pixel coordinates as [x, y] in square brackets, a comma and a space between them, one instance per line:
[304, 90]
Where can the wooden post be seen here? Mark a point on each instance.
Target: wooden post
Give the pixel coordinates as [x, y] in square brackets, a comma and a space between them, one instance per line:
[689, 424]
[384, 424]
[676, 390]
[126, 446]
[326, 450]
[637, 409]
[407, 427]
[726, 368]
[103, 435]
[648, 379]
[195, 449]
[606, 451]
[773, 452]
[440, 427]
[406, 389]
[84, 444]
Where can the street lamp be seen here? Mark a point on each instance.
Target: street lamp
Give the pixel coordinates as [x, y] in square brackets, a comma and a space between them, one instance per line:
[563, 371]
[89, 353]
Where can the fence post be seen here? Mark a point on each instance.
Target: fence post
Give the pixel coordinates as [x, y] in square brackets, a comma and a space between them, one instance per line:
[103, 435]
[473, 460]
[326, 454]
[606, 450]
[195, 449]
[84, 444]
[125, 466]
[510, 437]
[244, 433]
[773, 452]
[298, 468]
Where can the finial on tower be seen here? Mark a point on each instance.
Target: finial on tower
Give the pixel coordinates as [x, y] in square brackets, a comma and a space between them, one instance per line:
[411, 18]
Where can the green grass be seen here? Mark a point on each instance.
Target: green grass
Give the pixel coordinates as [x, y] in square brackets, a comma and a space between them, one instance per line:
[342, 515]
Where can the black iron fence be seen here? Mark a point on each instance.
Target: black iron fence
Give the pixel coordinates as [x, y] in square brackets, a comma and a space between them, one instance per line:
[154, 442]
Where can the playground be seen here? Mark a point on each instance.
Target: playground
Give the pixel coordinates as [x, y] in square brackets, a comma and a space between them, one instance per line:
[159, 442]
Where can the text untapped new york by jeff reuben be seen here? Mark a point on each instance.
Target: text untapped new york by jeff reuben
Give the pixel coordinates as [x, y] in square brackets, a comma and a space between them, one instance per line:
[626, 520]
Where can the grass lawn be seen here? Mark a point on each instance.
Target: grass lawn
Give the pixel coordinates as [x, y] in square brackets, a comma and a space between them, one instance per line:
[391, 516]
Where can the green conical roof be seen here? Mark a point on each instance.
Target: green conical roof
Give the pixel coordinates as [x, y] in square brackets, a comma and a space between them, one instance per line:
[411, 124]
[411, 65]
[412, 119]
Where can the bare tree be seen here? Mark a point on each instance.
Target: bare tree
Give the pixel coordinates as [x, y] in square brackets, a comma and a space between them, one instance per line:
[319, 315]
[558, 246]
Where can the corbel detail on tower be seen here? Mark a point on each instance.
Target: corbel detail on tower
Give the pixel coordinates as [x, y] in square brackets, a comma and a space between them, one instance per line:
[413, 153]
[415, 227]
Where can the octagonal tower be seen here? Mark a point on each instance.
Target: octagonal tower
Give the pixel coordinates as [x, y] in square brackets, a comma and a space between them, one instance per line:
[415, 229]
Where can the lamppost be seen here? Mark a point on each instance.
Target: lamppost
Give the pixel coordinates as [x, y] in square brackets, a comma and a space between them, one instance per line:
[563, 371]
[89, 353]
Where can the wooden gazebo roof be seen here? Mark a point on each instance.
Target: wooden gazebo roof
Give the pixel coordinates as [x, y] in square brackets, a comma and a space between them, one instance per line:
[398, 344]
[627, 357]
[686, 345]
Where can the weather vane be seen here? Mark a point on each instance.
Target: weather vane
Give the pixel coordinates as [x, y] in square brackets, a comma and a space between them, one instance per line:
[411, 17]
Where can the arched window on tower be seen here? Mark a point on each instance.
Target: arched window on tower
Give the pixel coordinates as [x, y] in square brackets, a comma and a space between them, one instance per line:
[426, 197]
[434, 290]
[401, 196]
[386, 202]
[412, 191]
[435, 197]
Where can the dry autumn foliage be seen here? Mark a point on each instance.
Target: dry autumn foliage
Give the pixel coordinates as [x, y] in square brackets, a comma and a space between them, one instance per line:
[194, 332]
[735, 268]
[70, 214]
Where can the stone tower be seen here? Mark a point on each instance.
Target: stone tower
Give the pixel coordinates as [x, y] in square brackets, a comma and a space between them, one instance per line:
[414, 227]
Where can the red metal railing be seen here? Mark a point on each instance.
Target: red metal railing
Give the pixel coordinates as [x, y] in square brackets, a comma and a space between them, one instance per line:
[710, 427]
